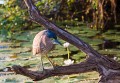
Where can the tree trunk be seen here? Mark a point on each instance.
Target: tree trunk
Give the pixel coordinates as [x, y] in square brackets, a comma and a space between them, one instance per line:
[108, 68]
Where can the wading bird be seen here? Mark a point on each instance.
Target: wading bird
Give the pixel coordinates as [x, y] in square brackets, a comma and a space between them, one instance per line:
[43, 43]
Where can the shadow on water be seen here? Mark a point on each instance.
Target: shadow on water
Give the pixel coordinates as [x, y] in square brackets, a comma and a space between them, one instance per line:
[108, 44]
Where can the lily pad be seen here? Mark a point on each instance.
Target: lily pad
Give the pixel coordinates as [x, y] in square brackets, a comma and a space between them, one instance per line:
[79, 57]
[118, 46]
[95, 41]
[110, 51]
[26, 44]
[58, 61]
[20, 50]
[15, 45]
[118, 26]
[111, 37]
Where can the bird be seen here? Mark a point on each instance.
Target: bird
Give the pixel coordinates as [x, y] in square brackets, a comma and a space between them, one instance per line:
[43, 43]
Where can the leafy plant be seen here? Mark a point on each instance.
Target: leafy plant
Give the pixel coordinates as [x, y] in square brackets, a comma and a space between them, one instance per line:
[13, 18]
[97, 13]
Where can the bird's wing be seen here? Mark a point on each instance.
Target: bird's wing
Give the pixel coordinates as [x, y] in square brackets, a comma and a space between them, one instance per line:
[36, 42]
[47, 44]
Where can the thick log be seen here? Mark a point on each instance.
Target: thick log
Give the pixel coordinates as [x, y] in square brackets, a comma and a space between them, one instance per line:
[108, 68]
[59, 70]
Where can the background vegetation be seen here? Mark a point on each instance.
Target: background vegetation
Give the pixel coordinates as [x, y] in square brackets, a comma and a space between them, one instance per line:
[97, 14]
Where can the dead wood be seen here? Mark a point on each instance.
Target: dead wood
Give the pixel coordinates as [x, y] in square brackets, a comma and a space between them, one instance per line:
[59, 70]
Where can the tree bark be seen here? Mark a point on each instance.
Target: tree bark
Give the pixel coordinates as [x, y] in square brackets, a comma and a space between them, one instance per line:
[58, 70]
[108, 68]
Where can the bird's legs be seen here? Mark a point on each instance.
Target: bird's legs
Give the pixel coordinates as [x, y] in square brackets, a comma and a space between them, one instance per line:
[40, 65]
[51, 63]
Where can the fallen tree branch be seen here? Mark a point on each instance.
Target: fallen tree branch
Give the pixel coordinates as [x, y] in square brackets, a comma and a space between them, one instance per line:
[107, 68]
[59, 70]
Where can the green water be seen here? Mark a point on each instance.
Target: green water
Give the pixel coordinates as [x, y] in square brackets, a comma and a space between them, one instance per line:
[17, 51]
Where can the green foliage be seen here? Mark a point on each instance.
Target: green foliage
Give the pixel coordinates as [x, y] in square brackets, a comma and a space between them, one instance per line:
[47, 6]
[12, 19]
[14, 16]
[95, 12]
[94, 4]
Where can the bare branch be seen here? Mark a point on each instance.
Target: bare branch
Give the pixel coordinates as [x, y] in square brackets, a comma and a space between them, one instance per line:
[59, 70]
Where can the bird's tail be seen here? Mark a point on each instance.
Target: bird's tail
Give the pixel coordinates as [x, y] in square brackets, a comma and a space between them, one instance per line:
[35, 51]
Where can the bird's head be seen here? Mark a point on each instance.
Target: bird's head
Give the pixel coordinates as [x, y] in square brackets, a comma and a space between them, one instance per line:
[51, 34]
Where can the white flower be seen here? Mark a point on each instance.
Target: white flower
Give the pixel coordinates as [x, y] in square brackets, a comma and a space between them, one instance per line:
[1, 23]
[15, 23]
[115, 58]
[68, 62]
[65, 45]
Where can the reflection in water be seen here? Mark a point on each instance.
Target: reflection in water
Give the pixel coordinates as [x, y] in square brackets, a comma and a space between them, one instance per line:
[3, 47]
[108, 44]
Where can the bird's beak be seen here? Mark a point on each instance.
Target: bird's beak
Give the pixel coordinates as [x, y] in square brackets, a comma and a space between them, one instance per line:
[56, 42]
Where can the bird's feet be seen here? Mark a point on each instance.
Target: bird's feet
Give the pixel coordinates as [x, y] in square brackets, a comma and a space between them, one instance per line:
[51, 67]
[41, 70]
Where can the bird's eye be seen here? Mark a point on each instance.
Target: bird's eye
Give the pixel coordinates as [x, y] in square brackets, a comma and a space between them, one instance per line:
[52, 38]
